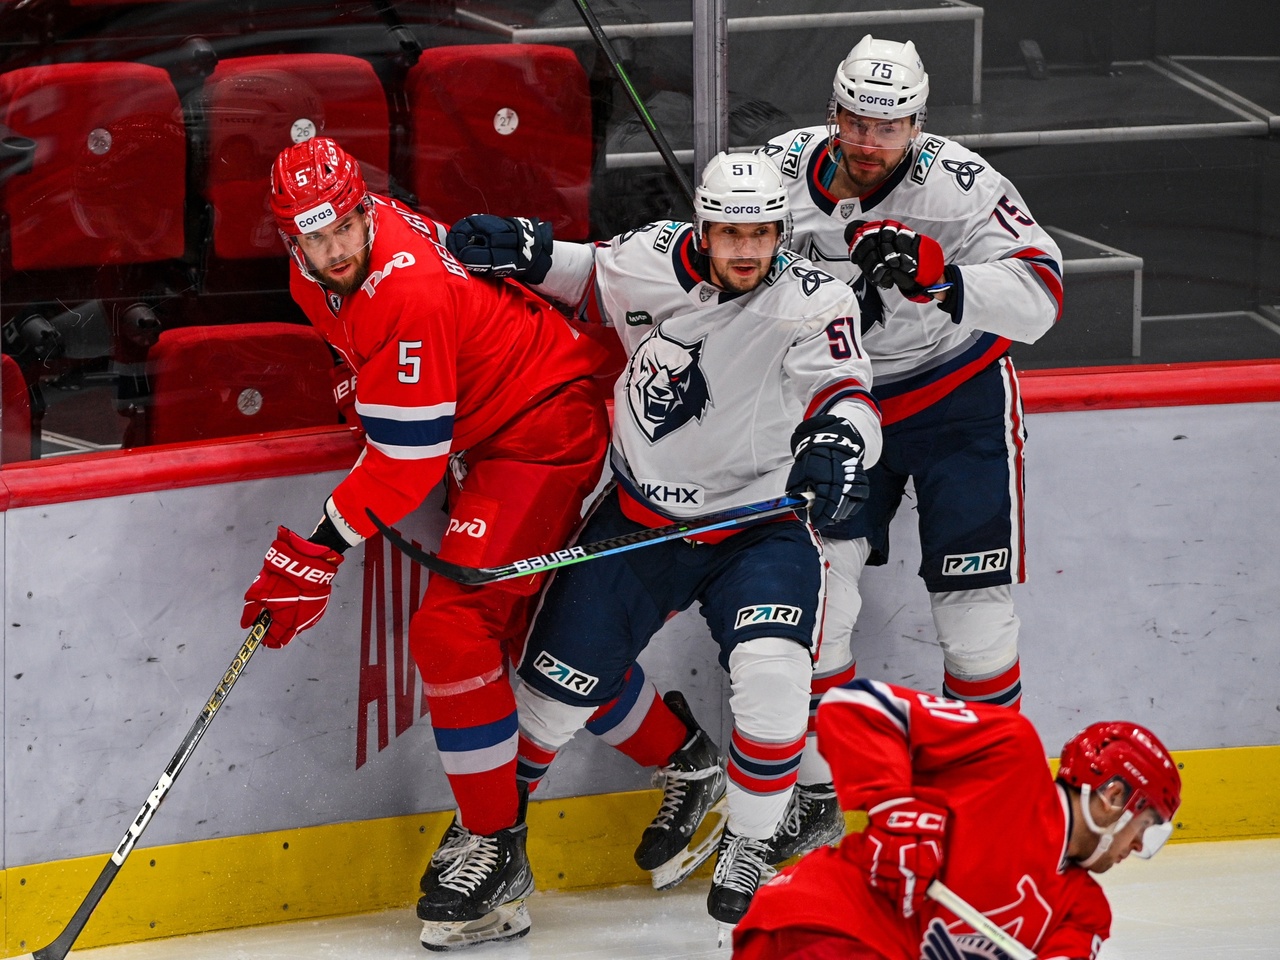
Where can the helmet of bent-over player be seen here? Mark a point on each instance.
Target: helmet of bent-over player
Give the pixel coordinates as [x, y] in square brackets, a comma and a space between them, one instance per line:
[742, 188]
[1119, 750]
[881, 78]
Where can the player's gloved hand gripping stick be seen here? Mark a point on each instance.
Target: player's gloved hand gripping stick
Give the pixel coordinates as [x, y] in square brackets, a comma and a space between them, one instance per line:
[474, 576]
[61, 945]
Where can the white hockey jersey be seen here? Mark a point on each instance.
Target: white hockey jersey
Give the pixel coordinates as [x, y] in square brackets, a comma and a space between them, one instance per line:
[1009, 281]
[716, 382]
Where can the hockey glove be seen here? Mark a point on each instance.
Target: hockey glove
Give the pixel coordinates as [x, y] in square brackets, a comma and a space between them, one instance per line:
[518, 247]
[294, 585]
[828, 451]
[892, 254]
[903, 849]
[939, 944]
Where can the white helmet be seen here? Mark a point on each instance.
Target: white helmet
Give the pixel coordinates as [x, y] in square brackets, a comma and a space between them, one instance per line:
[741, 188]
[882, 78]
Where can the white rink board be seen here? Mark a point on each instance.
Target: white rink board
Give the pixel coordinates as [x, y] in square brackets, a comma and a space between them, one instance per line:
[1152, 592]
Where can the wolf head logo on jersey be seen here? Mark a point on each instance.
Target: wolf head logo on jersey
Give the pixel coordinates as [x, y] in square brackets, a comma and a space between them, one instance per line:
[666, 387]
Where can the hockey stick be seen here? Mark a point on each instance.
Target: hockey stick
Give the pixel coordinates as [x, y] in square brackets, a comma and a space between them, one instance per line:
[998, 935]
[475, 576]
[61, 945]
[650, 125]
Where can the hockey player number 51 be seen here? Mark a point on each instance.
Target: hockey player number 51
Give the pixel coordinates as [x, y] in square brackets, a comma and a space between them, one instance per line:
[841, 340]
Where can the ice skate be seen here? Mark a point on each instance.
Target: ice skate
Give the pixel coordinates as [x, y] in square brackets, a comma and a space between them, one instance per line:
[740, 869]
[445, 854]
[813, 818]
[480, 891]
[693, 783]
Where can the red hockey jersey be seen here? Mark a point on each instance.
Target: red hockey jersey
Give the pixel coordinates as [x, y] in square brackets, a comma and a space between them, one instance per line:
[443, 359]
[1006, 843]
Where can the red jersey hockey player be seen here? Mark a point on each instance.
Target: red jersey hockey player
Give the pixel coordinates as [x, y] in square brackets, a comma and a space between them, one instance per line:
[962, 792]
[449, 367]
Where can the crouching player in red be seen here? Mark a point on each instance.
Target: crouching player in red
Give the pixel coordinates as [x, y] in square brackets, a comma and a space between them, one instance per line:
[452, 370]
[962, 792]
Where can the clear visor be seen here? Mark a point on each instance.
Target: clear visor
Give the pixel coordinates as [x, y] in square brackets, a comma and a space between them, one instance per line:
[331, 245]
[741, 241]
[1153, 838]
[869, 133]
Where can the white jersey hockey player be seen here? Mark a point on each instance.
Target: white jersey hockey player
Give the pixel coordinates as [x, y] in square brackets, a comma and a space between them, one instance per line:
[949, 267]
[746, 379]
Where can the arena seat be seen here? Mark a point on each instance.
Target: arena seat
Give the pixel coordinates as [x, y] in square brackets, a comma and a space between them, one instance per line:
[240, 378]
[15, 413]
[255, 107]
[502, 128]
[108, 181]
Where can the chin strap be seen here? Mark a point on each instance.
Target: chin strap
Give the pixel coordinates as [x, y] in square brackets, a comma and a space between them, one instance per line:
[1106, 836]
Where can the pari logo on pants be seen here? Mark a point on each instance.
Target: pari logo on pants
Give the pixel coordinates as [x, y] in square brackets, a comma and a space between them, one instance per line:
[967, 564]
[566, 676]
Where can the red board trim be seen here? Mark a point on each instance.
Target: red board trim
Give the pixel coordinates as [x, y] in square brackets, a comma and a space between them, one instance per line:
[323, 449]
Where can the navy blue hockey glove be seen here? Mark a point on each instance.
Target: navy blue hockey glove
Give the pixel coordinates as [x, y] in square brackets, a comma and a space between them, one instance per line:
[828, 452]
[518, 247]
[890, 254]
[939, 944]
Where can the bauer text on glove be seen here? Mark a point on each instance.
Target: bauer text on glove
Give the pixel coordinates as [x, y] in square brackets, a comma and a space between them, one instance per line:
[294, 584]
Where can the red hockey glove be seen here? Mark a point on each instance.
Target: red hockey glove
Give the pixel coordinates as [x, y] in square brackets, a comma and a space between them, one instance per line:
[294, 585]
[890, 253]
[903, 849]
[344, 395]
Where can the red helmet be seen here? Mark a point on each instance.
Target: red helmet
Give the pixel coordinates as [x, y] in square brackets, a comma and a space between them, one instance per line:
[1104, 751]
[313, 184]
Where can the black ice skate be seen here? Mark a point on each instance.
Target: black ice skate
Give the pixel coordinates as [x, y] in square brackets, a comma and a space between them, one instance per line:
[479, 891]
[740, 869]
[445, 854]
[813, 818]
[693, 785]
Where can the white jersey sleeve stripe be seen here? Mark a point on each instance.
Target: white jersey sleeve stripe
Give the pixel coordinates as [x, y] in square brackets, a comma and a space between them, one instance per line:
[384, 411]
[874, 696]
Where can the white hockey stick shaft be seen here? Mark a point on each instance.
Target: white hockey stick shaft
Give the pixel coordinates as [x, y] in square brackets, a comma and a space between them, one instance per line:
[1002, 938]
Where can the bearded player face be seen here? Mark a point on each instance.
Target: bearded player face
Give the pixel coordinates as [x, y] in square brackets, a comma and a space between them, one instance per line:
[338, 254]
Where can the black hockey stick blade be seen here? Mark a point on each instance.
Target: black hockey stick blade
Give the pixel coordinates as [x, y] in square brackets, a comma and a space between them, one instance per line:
[61, 944]
[475, 576]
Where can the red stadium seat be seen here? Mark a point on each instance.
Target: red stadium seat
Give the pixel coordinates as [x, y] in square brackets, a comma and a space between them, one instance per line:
[109, 178]
[234, 379]
[15, 413]
[503, 129]
[257, 106]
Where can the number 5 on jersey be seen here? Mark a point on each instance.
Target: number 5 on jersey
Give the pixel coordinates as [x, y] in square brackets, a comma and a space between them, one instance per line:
[410, 363]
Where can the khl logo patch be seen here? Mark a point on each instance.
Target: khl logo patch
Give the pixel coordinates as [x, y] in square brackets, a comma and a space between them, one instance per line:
[563, 674]
[767, 613]
[967, 564]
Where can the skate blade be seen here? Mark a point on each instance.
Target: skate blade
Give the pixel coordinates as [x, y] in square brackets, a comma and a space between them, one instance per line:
[676, 870]
[509, 921]
[724, 933]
